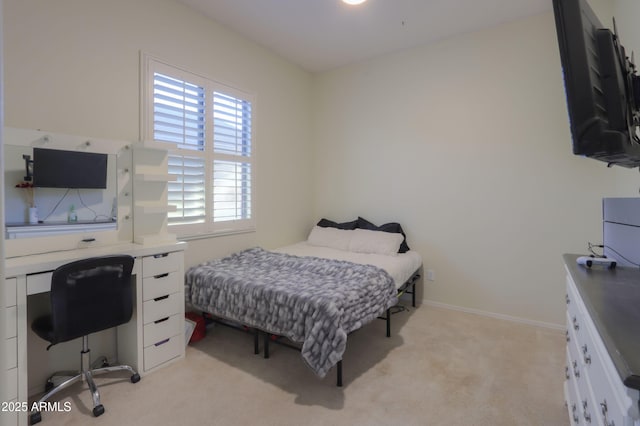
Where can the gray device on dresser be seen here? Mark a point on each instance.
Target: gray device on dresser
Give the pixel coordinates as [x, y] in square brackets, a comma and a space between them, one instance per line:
[621, 230]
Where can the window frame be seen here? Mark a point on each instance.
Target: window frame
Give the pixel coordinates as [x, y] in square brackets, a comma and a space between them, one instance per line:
[151, 65]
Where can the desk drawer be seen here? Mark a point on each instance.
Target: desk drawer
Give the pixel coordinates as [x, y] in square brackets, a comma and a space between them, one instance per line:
[11, 328]
[155, 332]
[12, 384]
[12, 416]
[162, 307]
[161, 264]
[10, 291]
[11, 346]
[160, 285]
[163, 351]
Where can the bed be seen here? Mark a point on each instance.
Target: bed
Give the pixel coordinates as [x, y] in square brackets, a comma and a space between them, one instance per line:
[314, 293]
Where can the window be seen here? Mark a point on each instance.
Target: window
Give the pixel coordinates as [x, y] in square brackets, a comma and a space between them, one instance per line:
[209, 127]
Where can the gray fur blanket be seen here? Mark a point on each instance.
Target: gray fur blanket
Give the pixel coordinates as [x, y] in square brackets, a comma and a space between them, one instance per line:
[309, 300]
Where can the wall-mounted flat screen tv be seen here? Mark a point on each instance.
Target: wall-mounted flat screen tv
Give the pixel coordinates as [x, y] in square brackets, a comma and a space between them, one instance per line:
[602, 88]
[54, 168]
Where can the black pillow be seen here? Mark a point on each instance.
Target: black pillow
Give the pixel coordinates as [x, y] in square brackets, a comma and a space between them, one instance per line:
[392, 227]
[326, 223]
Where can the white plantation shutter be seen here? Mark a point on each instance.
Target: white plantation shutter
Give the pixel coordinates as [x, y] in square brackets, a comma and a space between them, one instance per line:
[231, 191]
[187, 193]
[232, 154]
[231, 125]
[178, 112]
[211, 127]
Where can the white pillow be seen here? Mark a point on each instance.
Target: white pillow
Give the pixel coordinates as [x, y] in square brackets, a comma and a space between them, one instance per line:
[330, 237]
[377, 242]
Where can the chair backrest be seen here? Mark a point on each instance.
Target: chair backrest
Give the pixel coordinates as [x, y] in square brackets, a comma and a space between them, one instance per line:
[90, 295]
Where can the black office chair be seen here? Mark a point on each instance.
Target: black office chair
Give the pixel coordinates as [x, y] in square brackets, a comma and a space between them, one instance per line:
[87, 296]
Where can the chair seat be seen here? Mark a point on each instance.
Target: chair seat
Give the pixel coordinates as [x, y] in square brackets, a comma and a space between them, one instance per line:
[43, 327]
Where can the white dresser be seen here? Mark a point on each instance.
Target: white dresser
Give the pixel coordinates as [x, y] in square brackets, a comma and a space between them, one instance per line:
[601, 386]
[162, 308]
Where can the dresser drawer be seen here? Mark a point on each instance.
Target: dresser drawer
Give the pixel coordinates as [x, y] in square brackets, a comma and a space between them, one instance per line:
[163, 351]
[159, 330]
[12, 383]
[574, 310]
[160, 285]
[10, 291]
[162, 307]
[11, 328]
[608, 395]
[571, 394]
[161, 264]
[575, 366]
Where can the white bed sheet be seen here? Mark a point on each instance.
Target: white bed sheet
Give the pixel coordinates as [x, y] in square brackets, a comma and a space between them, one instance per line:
[401, 266]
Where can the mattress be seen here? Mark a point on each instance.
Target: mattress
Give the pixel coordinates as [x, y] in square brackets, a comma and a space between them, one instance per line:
[401, 266]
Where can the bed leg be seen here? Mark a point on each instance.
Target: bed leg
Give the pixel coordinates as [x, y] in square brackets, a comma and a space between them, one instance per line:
[256, 341]
[389, 322]
[339, 374]
[413, 294]
[266, 345]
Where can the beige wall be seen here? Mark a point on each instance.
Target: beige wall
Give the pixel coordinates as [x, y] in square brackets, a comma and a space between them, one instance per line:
[466, 143]
[72, 66]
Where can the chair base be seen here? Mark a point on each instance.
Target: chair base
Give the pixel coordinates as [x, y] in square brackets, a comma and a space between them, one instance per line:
[71, 377]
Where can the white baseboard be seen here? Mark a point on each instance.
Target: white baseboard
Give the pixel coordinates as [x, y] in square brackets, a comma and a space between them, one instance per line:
[552, 326]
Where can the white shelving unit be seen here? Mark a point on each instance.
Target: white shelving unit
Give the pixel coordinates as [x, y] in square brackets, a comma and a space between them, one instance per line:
[150, 193]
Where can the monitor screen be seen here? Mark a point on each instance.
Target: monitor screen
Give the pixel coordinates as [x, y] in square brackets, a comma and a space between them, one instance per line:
[54, 168]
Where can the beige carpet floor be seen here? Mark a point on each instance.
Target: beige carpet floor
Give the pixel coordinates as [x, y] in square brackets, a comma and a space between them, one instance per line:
[440, 367]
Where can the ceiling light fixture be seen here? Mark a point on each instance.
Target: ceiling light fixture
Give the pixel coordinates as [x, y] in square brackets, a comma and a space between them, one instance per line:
[353, 2]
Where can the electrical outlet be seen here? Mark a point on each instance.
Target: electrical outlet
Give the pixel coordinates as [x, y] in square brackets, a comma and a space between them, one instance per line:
[431, 275]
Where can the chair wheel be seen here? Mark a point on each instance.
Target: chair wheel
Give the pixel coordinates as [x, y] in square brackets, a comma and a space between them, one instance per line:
[98, 410]
[135, 378]
[35, 417]
[48, 386]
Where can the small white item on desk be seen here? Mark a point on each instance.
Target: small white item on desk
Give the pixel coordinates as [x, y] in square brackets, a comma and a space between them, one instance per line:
[589, 261]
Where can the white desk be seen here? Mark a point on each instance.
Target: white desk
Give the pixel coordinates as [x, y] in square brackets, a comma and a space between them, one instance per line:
[153, 338]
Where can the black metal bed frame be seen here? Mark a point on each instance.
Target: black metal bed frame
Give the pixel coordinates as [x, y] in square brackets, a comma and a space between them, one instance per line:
[409, 287]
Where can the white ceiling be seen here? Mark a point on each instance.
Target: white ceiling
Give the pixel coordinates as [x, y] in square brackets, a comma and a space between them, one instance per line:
[320, 35]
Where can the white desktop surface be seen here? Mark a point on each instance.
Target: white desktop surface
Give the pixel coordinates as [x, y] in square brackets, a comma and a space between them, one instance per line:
[38, 263]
